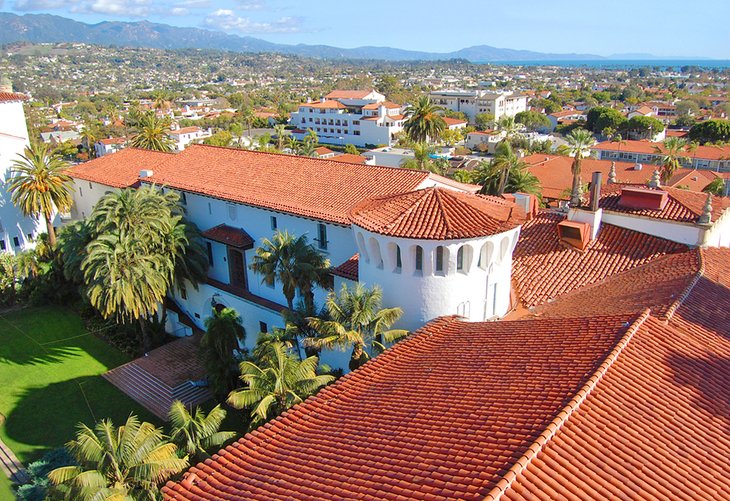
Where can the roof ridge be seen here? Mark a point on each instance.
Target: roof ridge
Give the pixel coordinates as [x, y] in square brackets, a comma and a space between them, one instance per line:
[687, 290]
[447, 223]
[562, 417]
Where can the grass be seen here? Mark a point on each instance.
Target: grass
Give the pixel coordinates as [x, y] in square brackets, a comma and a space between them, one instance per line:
[50, 375]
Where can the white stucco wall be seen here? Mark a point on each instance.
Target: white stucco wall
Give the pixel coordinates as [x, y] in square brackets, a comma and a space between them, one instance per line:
[427, 294]
[683, 233]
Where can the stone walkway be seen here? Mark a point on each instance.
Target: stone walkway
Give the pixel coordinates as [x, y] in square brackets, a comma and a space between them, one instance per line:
[11, 466]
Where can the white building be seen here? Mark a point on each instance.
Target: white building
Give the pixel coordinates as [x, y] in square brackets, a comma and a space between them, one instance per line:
[238, 198]
[476, 102]
[183, 137]
[484, 141]
[109, 145]
[358, 117]
[17, 232]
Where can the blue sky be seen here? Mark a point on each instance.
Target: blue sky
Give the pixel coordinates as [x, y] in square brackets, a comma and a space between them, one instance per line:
[661, 27]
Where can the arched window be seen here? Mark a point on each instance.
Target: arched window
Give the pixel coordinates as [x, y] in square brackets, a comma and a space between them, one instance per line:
[398, 258]
[440, 258]
[485, 255]
[419, 258]
[460, 259]
[361, 247]
[375, 253]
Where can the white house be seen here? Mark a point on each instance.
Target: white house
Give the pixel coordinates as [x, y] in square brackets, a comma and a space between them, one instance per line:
[476, 102]
[565, 117]
[484, 141]
[358, 117]
[186, 135]
[109, 145]
[17, 232]
[239, 197]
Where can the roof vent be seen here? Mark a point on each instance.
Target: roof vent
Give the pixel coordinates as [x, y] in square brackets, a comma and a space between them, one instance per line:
[638, 166]
[145, 173]
[642, 198]
[574, 233]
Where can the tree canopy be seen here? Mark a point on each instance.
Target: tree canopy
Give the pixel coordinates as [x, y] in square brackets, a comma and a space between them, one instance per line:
[711, 131]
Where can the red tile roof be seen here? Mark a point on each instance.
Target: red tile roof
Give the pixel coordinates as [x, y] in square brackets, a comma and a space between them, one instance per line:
[349, 94]
[323, 150]
[543, 268]
[185, 130]
[647, 147]
[235, 237]
[349, 269]
[310, 187]
[555, 174]
[454, 121]
[419, 421]
[120, 169]
[656, 424]
[335, 105]
[387, 104]
[113, 140]
[12, 96]
[349, 158]
[682, 206]
[437, 214]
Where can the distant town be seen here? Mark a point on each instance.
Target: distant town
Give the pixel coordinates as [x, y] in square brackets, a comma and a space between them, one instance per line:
[384, 279]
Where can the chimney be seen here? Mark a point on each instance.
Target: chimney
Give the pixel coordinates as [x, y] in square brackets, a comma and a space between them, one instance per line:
[145, 173]
[612, 173]
[638, 166]
[596, 181]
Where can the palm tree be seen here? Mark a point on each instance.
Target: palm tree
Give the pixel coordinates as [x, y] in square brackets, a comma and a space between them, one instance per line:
[422, 159]
[716, 187]
[357, 320]
[509, 126]
[671, 156]
[39, 185]
[523, 181]
[151, 133]
[280, 132]
[126, 462]
[73, 241]
[292, 143]
[423, 121]
[247, 117]
[291, 261]
[195, 433]
[278, 382]
[506, 161]
[223, 334]
[578, 146]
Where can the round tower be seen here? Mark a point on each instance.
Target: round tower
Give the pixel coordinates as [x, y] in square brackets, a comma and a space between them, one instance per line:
[438, 252]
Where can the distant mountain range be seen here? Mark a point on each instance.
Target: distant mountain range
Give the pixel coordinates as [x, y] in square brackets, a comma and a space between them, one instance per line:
[45, 28]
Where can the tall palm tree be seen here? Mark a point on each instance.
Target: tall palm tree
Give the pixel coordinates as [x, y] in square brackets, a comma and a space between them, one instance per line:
[151, 133]
[578, 146]
[73, 241]
[672, 156]
[505, 161]
[196, 433]
[291, 261]
[223, 334]
[278, 382]
[39, 185]
[357, 320]
[280, 132]
[716, 187]
[423, 121]
[247, 117]
[509, 126]
[126, 462]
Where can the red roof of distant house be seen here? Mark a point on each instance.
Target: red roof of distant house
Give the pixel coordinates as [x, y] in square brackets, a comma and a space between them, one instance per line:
[484, 132]
[349, 158]
[454, 121]
[386, 104]
[323, 150]
[643, 110]
[647, 147]
[349, 94]
[335, 105]
[276, 181]
[235, 237]
[185, 130]
[543, 268]
[556, 177]
[113, 140]
[437, 214]
[349, 269]
[12, 96]
[676, 133]
[566, 113]
[683, 205]
[419, 421]
[120, 169]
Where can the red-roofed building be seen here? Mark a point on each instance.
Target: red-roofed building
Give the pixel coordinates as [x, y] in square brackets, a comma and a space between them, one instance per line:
[708, 157]
[345, 117]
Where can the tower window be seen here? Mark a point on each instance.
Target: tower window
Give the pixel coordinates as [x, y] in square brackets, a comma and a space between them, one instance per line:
[322, 235]
[460, 259]
[398, 259]
[439, 258]
[209, 247]
[274, 223]
[419, 258]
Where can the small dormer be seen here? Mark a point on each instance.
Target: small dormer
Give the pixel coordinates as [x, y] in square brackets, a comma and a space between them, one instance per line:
[574, 233]
[642, 198]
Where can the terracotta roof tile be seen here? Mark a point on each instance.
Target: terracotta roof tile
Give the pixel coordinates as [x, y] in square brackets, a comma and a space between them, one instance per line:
[235, 237]
[349, 269]
[544, 268]
[349, 158]
[656, 425]
[120, 169]
[348, 94]
[418, 422]
[648, 147]
[12, 96]
[311, 187]
[437, 214]
[387, 104]
[683, 205]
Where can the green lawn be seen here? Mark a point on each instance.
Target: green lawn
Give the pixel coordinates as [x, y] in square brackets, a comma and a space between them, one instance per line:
[50, 375]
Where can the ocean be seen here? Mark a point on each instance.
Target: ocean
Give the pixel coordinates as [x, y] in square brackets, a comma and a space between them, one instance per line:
[621, 64]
